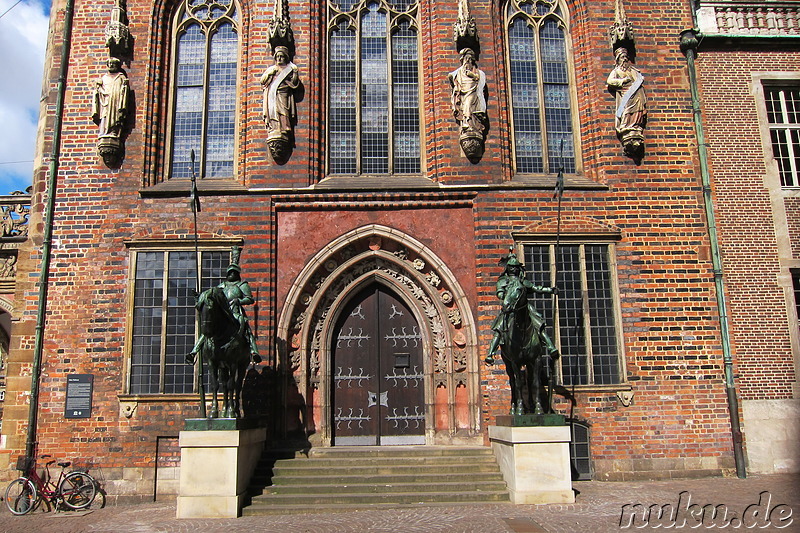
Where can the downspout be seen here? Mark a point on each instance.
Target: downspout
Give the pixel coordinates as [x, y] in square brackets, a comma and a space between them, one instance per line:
[44, 274]
[689, 43]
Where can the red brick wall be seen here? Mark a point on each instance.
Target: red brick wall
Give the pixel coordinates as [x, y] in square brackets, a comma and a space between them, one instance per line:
[749, 227]
[678, 420]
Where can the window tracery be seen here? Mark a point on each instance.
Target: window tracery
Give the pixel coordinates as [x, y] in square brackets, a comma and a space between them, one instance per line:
[373, 87]
[540, 86]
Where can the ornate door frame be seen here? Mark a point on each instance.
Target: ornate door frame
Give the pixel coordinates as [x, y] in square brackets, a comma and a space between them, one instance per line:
[376, 253]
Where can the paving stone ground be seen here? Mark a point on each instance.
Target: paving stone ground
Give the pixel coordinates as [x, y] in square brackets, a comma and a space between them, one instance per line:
[763, 502]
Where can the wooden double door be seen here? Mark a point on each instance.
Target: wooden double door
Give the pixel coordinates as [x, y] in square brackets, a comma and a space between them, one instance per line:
[378, 393]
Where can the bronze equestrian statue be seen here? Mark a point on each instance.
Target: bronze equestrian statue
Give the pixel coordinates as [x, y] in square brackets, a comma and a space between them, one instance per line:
[225, 342]
[519, 334]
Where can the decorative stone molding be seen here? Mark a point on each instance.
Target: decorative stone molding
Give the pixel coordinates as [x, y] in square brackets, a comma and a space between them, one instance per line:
[15, 210]
[748, 19]
[118, 36]
[625, 397]
[402, 264]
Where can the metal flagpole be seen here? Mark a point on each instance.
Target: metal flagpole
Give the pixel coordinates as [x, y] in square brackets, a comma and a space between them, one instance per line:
[559, 192]
[195, 201]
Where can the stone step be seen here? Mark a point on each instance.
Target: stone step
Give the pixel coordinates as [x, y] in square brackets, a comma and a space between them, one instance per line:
[284, 509]
[400, 451]
[424, 477]
[312, 471]
[366, 477]
[382, 487]
[311, 501]
[387, 460]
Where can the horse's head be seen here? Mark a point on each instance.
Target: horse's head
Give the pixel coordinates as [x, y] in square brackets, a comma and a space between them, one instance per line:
[214, 309]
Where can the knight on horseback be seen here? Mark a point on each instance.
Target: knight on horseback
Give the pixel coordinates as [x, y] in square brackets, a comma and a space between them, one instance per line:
[520, 336]
[238, 293]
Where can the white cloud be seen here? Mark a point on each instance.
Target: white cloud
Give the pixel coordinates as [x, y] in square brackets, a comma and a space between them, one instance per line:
[23, 38]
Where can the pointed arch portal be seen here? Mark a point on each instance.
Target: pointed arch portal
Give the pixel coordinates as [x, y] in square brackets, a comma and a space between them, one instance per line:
[423, 368]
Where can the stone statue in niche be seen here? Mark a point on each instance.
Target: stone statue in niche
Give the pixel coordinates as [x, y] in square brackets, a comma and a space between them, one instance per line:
[625, 82]
[281, 83]
[469, 104]
[110, 111]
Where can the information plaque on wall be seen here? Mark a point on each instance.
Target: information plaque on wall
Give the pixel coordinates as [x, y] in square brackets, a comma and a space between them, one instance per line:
[79, 396]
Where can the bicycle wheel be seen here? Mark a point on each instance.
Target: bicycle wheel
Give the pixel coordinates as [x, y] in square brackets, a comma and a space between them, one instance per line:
[77, 490]
[21, 496]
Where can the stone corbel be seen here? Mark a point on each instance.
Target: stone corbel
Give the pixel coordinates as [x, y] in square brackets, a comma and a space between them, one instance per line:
[127, 409]
[625, 397]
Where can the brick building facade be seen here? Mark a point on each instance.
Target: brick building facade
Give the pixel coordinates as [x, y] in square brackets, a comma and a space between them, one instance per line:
[375, 195]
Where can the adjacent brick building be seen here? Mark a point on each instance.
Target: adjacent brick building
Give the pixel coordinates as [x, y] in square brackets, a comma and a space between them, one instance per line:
[371, 198]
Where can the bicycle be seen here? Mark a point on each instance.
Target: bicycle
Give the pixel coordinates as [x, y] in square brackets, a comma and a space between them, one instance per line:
[75, 489]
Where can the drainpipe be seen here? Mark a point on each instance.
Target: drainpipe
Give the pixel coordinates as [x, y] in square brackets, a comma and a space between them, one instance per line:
[689, 42]
[44, 274]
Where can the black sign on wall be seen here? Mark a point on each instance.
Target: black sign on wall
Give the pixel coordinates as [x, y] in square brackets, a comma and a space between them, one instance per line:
[79, 396]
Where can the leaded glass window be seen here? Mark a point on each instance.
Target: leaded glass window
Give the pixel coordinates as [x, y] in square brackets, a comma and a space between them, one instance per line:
[586, 328]
[373, 87]
[540, 87]
[164, 317]
[206, 50]
[783, 115]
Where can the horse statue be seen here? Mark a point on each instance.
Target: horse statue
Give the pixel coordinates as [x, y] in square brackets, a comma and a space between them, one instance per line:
[525, 348]
[226, 349]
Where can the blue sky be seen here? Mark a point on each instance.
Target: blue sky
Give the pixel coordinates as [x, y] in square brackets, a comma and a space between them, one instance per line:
[23, 36]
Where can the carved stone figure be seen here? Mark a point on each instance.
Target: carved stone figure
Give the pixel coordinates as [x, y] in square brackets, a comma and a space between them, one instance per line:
[110, 110]
[280, 82]
[519, 333]
[469, 103]
[625, 82]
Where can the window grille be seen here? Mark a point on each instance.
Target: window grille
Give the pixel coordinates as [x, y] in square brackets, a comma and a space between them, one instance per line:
[373, 88]
[164, 317]
[580, 452]
[783, 115]
[586, 329]
[204, 120]
[540, 87]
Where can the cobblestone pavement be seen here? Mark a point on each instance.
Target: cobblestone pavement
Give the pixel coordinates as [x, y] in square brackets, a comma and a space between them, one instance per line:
[598, 509]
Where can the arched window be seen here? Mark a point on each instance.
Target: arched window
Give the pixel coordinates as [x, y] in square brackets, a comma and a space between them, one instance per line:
[205, 68]
[540, 86]
[373, 87]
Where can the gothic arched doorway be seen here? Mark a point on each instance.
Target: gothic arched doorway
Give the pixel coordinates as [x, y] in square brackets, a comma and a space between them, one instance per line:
[327, 290]
[377, 365]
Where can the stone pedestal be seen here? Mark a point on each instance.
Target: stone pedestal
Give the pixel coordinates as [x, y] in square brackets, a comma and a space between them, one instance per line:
[216, 466]
[535, 462]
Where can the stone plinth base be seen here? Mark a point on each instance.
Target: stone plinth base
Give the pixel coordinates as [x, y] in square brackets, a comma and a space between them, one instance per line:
[216, 467]
[535, 463]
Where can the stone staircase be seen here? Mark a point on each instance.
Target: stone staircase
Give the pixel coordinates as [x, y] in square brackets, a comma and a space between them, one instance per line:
[361, 477]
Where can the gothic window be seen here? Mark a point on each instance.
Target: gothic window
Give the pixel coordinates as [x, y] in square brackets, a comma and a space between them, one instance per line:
[541, 99]
[586, 328]
[163, 317]
[783, 116]
[206, 51]
[373, 87]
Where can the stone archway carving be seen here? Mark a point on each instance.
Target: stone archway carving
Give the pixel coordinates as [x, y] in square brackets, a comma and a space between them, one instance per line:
[403, 264]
